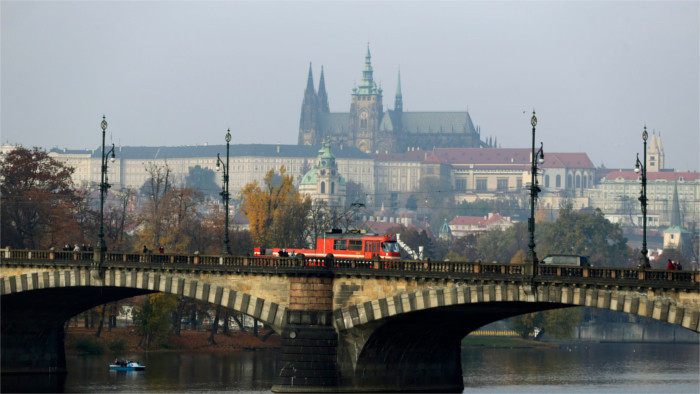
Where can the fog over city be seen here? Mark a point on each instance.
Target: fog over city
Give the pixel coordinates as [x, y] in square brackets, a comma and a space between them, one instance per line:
[182, 73]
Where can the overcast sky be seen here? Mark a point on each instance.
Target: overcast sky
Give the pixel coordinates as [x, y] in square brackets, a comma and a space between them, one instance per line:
[181, 73]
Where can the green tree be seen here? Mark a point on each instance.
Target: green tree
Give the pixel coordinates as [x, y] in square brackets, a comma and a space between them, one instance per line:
[476, 208]
[588, 234]
[412, 202]
[152, 317]
[463, 249]
[559, 323]
[502, 245]
[202, 180]
[524, 324]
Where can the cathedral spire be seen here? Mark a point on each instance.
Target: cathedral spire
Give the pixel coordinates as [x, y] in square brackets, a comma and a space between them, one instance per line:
[367, 85]
[398, 102]
[310, 82]
[322, 95]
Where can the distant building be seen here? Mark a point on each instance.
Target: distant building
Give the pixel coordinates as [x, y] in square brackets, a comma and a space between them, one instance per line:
[617, 195]
[324, 183]
[370, 128]
[248, 163]
[487, 173]
[465, 225]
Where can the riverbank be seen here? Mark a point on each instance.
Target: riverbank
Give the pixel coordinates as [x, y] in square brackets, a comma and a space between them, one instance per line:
[496, 342]
[118, 340]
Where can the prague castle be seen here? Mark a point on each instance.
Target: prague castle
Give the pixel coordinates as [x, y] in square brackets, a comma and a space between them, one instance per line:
[372, 129]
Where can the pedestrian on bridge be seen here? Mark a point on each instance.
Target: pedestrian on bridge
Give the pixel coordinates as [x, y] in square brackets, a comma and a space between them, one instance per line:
[671, 266]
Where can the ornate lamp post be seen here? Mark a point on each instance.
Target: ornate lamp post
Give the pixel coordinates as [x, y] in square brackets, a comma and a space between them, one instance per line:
[537, 158]
[104, 186]
[641, 168]
[224, 190]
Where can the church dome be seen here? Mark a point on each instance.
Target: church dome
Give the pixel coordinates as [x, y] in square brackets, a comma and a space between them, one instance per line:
[309, 178]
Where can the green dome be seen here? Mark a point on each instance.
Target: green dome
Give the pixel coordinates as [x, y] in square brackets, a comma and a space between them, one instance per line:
[309, 178]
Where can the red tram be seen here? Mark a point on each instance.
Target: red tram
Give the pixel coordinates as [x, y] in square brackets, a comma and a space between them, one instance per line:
[344, 246]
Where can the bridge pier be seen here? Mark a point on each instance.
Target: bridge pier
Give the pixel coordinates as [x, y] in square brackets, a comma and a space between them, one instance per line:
[30, 349]
[309, 341]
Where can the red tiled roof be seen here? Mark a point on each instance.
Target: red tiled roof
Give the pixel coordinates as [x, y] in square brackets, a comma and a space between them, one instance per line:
[496, 218]
[468, 221]
[385, 227]
[484, 155]
[568, 160]
[490, 157]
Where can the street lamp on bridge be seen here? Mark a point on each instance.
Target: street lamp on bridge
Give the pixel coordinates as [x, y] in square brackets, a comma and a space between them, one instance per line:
[537, 158]
[104, 186]
[641, 168]
[224, 190]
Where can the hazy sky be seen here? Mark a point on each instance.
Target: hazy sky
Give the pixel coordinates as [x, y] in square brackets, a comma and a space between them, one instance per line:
[181, 73]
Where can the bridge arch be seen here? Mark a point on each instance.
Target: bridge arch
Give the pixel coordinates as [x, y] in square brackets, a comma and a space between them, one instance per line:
[425, 327]
[117, 284]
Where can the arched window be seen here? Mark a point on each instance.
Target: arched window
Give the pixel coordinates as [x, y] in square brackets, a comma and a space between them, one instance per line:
[332, 187]
[546, 181]
[323, 187]
[578, 181]
[585, 183]
[569, 182]
[558, 181]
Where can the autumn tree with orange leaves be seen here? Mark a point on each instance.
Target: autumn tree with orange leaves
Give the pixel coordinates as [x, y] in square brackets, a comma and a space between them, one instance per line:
[38, 201]
[278, 213]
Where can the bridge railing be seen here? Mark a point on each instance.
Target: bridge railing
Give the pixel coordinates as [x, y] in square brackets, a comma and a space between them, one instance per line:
[456, 268]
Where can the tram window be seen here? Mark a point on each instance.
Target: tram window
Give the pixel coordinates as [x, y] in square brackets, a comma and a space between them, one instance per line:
[390, 247]
[355, 244]
[340, 244]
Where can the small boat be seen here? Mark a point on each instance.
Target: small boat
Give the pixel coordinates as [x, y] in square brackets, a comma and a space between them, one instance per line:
[123, 365]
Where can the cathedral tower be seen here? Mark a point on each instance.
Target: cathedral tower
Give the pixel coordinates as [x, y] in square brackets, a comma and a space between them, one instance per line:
[308, 133]
[366, 111]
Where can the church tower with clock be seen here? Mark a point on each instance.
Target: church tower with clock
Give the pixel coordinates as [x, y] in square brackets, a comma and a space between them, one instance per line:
[366, 110]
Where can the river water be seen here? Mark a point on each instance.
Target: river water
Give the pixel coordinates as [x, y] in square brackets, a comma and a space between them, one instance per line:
[609, 368]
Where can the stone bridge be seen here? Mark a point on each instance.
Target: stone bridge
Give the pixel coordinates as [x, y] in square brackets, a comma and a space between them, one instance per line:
[346, 325]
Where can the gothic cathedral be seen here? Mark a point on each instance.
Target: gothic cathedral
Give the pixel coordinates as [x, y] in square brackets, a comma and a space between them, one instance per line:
[371, 129]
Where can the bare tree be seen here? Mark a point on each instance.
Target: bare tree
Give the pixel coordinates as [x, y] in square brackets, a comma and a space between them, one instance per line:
[156, 189]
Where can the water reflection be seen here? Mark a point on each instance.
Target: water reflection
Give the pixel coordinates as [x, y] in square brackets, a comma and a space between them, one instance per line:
[607, 367]
[576, 368]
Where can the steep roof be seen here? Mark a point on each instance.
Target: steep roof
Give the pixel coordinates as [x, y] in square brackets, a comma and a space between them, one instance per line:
[336, 123]
[437, 122]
